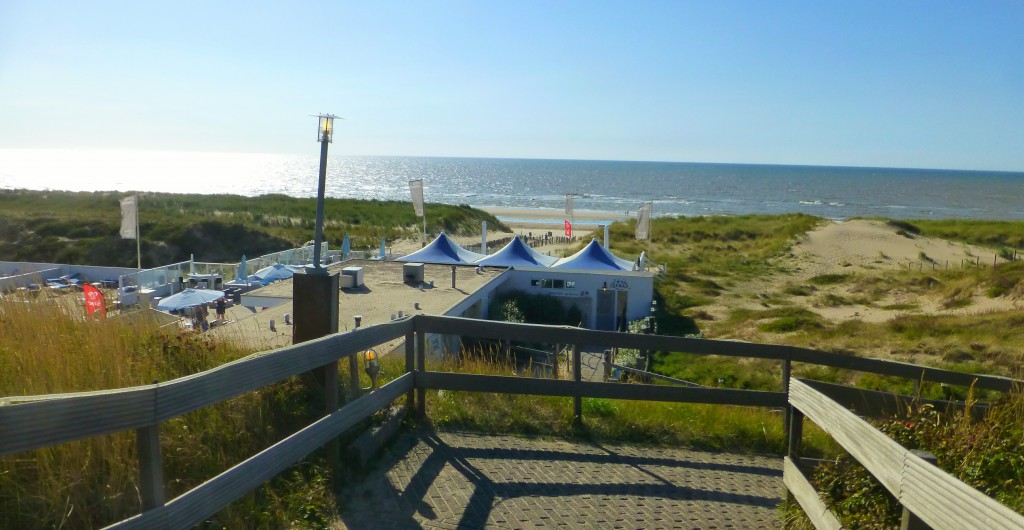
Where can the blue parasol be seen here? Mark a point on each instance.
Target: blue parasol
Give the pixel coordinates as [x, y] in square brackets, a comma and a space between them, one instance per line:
[188, 298]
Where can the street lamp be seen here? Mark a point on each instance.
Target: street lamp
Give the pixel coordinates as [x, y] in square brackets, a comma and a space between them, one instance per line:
[372, 366]
[325, 131]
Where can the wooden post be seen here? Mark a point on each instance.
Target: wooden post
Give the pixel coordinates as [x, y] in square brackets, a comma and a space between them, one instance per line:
[410, 366]
[353, 375]
[421, 367]
[151, 469]
[607, 365]
[577, 400]
[909, 521]
[787, 370]
[332, 401]
[554, 361]
[796, 433]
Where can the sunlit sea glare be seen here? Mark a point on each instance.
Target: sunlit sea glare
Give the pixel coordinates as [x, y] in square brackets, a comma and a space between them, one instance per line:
[610, 186]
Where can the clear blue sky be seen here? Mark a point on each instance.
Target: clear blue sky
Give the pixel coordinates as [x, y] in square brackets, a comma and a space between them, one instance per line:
[912, 83]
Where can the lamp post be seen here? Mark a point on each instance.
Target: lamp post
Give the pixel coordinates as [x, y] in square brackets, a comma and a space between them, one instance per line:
[325, 131]
[372, 366]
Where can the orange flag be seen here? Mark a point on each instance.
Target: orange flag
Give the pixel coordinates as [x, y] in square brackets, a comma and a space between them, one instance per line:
[93, 301]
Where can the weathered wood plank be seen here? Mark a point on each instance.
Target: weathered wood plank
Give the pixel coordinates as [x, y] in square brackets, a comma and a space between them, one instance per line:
[213, 495]
[878, 453]
[877, 404]
[41, 421]
[821, 517]
[187, 394]
[46, 422]
[566, 334]
[942, 501]
[901, 369]
[571, 335]
[553, 387]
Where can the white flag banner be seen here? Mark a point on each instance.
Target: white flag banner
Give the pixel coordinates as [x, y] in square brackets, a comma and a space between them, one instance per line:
[129, 217]
[643, 222]
[416, 188]
[568, 205]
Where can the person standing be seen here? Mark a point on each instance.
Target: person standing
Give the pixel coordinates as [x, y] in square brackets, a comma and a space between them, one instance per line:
[221, 309]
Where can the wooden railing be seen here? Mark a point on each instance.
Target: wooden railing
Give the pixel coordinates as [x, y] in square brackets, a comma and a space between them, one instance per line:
[28, 423]
[928, 494]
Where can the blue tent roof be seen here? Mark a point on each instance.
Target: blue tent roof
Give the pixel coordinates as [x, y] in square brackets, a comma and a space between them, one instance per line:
[516, 254]
[442, 250]
[594, 257]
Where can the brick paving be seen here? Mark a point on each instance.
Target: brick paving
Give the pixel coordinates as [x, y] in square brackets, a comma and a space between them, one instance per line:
[455, 480]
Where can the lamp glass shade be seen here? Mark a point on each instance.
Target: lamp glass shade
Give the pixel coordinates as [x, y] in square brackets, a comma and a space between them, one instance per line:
[370, 358]
[325, 129]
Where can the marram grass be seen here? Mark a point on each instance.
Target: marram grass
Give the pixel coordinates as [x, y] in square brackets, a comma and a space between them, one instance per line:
[46, 346]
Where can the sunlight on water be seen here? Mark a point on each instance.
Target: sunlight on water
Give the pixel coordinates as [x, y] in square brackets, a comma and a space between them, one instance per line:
[607, 186]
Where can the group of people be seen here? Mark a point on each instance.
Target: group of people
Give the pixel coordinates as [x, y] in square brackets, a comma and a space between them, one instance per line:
[200, 313]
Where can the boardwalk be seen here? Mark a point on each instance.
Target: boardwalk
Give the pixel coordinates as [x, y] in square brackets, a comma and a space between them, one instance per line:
[467, 480]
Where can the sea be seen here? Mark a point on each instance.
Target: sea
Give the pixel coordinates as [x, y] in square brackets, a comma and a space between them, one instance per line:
[617, 188]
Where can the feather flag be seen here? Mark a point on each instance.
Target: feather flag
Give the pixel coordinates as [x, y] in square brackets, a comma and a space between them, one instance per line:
[643, 222]
[93, 301]
[416, 189]
[568, 229]
[568, 205]
[129, 217]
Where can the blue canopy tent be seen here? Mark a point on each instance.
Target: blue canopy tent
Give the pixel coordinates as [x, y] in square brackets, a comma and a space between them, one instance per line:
[444, 251]
[594, 257]
[516, 254]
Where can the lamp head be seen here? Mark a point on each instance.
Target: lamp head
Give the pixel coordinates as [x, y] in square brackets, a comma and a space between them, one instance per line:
[325, 129]
[370, 361]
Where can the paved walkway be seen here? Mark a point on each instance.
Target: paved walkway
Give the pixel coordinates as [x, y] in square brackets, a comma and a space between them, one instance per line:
[466, 480]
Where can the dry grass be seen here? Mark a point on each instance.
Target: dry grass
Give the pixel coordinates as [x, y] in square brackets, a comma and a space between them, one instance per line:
[48, 347]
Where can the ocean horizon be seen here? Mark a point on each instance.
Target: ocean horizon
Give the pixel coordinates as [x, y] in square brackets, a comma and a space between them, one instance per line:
[617, 187]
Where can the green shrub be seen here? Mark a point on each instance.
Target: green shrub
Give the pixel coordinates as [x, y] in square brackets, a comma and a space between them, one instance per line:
[829, 279]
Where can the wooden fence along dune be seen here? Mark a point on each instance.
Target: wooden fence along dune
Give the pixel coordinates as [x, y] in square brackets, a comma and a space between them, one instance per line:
[928, 493]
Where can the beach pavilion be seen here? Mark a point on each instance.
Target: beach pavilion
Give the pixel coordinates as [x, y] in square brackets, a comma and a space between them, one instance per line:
[594, 257]
[444, 251]
[516, 254]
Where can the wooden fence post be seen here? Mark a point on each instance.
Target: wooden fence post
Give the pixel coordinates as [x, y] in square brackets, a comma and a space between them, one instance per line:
[787, 370]
[909, 521]
[332, 401]
[607, 365]
[353, 367]
[151, 468]
[410, 366]
[577, 399]
[421, 366]
[796, 433]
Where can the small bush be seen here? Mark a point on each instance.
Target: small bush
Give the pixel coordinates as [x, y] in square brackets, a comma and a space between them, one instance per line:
[789, 325]
[829, 279]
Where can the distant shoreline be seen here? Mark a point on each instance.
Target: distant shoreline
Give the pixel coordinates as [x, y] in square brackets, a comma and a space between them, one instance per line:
[552, 218]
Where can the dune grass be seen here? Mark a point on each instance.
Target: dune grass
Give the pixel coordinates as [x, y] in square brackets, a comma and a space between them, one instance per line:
[82, 227]
[47, 347]
[706, 254]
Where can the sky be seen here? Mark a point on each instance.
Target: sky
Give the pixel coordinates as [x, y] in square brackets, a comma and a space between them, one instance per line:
[933, 84]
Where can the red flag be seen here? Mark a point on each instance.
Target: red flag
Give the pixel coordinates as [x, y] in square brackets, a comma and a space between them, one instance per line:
[93, 301]
[568, 229]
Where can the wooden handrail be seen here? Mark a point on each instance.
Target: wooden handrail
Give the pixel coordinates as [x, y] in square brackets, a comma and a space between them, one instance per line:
[936, 497]
[33, 422]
